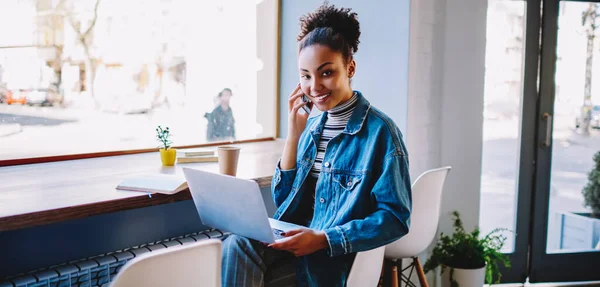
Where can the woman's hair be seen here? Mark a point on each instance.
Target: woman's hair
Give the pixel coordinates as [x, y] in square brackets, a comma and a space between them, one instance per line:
[336, 28]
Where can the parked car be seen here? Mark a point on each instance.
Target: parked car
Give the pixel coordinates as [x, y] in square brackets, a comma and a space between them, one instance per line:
[15, 97]
[36, 97]
[594, 118]
[43, 97]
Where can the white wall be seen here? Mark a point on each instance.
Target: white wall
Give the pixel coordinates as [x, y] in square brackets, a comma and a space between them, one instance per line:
[447, 66]
[424, 84]
[445, 100]
[462, 106]
[382, 57]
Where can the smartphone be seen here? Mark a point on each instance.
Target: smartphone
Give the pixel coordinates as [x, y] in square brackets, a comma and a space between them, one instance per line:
[307, 101]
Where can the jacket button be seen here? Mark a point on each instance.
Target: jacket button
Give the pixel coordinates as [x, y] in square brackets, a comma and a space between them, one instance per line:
[322, 200]
[326, 164]
[349, 184]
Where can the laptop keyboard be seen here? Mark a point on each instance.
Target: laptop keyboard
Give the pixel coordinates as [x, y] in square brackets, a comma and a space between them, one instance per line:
[278, 233]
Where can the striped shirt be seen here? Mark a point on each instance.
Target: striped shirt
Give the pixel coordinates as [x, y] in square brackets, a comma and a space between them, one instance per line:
[337, 118]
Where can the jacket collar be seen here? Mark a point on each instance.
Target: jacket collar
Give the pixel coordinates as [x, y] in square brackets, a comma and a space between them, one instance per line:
[355, 122]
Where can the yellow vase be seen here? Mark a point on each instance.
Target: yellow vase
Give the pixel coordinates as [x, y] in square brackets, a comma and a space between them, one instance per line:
[168, 156]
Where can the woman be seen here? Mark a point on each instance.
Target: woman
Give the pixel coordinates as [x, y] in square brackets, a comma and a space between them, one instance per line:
[343, 174]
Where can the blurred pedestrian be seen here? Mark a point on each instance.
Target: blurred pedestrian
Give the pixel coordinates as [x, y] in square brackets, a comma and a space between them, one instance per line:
[221, 124]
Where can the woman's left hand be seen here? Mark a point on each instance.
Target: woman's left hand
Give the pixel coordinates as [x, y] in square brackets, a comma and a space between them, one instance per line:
[302, 242]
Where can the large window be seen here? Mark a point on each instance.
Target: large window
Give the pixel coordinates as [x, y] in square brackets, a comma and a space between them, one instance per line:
[87, 76]
[575, 121]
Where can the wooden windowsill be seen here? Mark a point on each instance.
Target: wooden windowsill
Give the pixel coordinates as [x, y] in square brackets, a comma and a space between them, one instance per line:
[44, 193]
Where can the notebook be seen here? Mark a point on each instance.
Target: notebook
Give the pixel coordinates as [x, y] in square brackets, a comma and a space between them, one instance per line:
[195, 152]
[154, 183]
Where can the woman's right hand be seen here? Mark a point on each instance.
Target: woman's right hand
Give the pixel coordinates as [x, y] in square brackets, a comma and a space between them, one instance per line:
[296, 119]
[296, 124]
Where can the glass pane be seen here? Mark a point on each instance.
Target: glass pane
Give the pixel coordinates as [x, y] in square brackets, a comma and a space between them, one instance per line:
[502, 116]
[576, 134]
[76, 77]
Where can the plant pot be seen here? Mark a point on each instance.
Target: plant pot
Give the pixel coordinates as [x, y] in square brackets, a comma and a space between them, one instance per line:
[576, 231]
[168, 156]
[464, 277]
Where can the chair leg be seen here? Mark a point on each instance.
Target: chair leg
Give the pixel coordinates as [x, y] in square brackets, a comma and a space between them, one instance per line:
[381, 276]
[395, 275]
[420, 273]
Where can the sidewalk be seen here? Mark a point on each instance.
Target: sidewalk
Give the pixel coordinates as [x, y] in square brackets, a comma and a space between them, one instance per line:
[9, 129]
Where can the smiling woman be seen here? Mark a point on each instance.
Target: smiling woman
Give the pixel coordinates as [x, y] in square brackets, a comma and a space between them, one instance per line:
[343, 174]
[109, 72]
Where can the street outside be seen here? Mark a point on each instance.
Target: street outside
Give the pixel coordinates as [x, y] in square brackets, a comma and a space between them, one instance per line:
[27, 131]
[571, 162]
[117, 71]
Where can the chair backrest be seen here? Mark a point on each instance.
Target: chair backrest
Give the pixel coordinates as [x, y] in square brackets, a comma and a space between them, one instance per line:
[194, 264]
[424, 218]
[366, 268]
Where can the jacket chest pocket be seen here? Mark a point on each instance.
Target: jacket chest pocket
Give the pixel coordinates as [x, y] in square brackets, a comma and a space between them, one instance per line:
[347, 182]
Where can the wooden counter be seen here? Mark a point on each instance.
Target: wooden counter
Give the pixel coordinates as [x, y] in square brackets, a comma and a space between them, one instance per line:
[45, 193]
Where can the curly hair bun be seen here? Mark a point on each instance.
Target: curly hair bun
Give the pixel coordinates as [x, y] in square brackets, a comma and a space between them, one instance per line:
[340, 20]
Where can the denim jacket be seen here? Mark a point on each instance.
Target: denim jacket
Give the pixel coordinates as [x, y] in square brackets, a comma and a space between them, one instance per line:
[362, 198]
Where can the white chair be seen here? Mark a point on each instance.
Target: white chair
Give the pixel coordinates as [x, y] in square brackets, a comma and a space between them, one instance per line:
[426, 202]
[194, 264]
[366, 268]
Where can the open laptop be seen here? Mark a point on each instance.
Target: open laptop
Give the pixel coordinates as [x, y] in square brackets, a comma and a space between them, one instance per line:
[233, 205]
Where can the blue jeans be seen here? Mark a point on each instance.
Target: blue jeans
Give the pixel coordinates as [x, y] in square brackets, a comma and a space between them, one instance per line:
[247, 262]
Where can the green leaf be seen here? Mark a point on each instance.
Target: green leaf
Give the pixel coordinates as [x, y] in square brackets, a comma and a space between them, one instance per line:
[469, 250]
[591, 192]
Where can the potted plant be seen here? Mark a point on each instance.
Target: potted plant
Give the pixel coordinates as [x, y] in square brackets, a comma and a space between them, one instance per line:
[167, 154]
[471, 259]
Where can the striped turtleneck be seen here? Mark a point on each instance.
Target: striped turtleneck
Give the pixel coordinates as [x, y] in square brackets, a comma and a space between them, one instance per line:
[337, 118]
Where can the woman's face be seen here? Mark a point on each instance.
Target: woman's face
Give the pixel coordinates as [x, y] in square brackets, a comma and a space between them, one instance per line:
[324, 77]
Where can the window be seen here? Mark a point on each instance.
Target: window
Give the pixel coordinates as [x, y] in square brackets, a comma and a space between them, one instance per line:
[505, 49]
[88, 76]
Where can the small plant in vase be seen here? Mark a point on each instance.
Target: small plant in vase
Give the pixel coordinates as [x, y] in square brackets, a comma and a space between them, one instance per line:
[472, 259]
[167, 154]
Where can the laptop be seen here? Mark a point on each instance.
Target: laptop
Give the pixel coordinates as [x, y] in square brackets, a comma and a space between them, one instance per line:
[233, 205]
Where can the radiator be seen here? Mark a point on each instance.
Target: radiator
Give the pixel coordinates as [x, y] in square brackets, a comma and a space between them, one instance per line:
[98, 270]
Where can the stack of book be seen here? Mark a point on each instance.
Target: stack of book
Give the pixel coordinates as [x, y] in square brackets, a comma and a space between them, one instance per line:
[196, 155]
